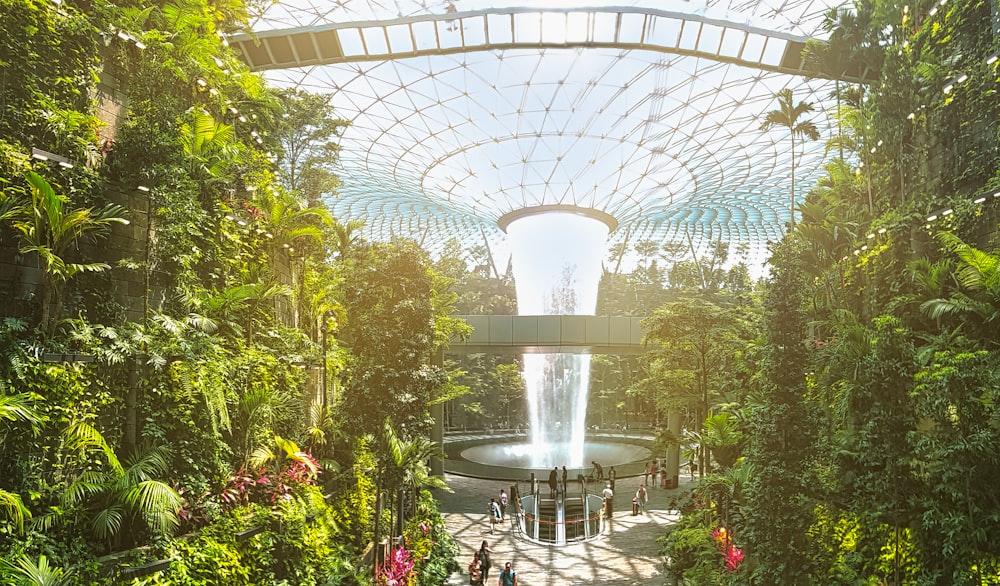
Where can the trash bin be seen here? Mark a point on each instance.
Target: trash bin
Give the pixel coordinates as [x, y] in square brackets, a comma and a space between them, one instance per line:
[635, 507]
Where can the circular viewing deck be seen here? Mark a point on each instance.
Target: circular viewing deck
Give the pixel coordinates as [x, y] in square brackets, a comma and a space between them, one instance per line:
[569, 514]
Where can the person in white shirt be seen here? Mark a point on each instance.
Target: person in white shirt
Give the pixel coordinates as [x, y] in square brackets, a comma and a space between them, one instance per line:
[503, 505]
[609, 508]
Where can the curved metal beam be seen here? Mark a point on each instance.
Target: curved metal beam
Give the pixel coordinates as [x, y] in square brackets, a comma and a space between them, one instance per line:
[625, 28]
[599, 215]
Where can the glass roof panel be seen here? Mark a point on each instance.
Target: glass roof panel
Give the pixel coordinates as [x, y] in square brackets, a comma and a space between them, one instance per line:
[522, 109]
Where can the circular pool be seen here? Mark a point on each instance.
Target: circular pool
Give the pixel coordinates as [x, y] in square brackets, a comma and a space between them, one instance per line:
[530, 457]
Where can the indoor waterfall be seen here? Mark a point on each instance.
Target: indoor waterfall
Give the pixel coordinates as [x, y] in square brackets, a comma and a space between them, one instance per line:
[557, 268]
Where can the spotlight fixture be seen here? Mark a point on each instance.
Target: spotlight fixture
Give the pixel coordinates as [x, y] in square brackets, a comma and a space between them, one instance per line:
[47, 156]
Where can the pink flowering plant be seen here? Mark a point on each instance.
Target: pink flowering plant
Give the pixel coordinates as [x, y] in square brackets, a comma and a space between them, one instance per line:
[398, 569]
[732, 556]
[272, 475]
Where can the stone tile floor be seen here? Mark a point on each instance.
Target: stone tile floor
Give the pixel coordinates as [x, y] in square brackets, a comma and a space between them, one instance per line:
[625, 555]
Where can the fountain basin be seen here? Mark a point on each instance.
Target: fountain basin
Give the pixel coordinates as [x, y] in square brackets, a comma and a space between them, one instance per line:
[506, 456]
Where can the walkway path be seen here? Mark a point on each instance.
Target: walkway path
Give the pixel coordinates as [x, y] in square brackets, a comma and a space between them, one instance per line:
[626, 555]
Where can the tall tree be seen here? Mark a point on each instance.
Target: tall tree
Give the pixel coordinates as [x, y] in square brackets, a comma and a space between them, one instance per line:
[388, 291]
[788, 116]
[695, 339]
[308, 133]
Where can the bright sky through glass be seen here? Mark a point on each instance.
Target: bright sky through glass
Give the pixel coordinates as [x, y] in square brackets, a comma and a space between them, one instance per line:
[667, 142]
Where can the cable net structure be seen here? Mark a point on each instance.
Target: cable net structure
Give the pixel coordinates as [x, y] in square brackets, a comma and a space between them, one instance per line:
[464, 112]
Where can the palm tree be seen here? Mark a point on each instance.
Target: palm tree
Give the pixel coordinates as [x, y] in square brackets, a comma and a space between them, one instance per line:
[50, 231]
[287, 454]
[720, 434]
[347, 236]
[787, 115]
[27, 573]
[211, 148]
[406, 468]
[119, 496]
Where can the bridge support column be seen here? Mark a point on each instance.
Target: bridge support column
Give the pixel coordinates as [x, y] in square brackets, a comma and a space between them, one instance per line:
[672, 468]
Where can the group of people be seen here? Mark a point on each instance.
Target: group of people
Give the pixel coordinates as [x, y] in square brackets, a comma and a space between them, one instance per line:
[555, 486]
[482, 562]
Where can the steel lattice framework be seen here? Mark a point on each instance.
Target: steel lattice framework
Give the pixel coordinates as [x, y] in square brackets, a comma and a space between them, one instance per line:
[464, 113]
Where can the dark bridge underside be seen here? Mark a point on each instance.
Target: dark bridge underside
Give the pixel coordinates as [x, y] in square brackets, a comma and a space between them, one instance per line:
[550, 334]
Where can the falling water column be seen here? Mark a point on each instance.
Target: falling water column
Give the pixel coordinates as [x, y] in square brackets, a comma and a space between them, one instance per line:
[557, 267]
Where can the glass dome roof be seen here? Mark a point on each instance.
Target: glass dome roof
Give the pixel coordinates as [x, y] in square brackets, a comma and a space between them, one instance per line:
[465, 111]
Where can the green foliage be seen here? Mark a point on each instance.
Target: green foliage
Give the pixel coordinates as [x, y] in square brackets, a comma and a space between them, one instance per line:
[50, 229]
[389, 292]
[26, 572]
[956, 400]
[209, 558]
[308, 134]
[49, 61]
[433, 548]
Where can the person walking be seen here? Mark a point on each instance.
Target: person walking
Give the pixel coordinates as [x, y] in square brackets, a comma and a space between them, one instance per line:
[485, 563]
[652, 471]
[609, 495]
[565, 478]
[494, 513]
[508, 577]
[503, 505]
[645, 473]
[611, 477]
[552, 481]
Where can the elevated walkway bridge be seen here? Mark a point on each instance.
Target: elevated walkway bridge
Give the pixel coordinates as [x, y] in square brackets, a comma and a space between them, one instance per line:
[551, 334]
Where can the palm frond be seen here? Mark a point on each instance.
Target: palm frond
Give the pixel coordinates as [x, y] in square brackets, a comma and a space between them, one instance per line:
[261, 457]
[19, 407]
[80, 435]
[107, 522]
[157, 503]
[38, 574]
[13, 508]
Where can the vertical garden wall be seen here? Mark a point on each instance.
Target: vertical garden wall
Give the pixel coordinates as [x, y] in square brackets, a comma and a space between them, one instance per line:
[870, 428]
[176, 309]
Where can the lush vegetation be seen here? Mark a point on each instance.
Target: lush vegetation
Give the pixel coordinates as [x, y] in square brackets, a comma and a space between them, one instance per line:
[867, 428]
[206, 415]
[842, 416]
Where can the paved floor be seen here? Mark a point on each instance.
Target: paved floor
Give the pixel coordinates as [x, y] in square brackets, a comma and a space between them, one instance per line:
[626, 555]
